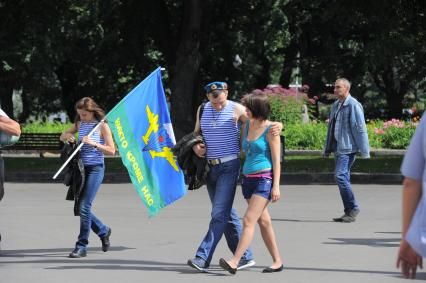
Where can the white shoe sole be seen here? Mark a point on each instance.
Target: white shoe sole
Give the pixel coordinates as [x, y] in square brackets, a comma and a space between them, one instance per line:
[247, 265]
[197, 267]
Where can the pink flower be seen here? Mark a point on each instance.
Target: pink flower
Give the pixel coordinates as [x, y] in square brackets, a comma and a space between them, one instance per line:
[393, 123]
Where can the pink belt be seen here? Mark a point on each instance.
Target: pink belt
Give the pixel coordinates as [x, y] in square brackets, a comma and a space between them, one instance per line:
[260, 175]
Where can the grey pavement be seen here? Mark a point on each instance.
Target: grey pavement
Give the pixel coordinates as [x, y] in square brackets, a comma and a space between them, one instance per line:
[39, 230]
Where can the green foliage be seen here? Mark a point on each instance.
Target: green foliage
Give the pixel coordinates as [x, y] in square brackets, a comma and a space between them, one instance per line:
[374, 139]
[46, 127]
[285, 109]
[380, 134]
[305, 136]
[398, 138]
[393, 134]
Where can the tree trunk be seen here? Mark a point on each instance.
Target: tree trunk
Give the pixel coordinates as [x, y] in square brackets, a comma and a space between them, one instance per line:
[394, 100]
[184, 79]
[67, 77]
[25, 114]
[6, 92]
[389, 83]
[290, 53]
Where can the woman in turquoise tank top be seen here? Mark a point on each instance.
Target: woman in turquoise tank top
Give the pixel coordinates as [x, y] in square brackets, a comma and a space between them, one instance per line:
[261, 180]
[99, 143]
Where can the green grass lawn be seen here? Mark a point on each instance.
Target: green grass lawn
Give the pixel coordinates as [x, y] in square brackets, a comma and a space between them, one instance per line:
[300, 164]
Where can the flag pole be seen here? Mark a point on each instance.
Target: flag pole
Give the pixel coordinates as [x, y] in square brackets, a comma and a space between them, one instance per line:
[76, 150]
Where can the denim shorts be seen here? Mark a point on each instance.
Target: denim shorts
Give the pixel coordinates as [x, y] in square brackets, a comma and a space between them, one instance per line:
[260, 186]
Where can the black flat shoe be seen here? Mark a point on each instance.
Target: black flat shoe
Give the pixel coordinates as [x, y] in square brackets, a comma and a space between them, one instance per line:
[105, 241]
[77, 253]
[226, 266]
[270, 269]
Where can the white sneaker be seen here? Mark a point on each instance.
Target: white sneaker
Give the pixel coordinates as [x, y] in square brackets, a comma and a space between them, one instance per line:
[243, 264]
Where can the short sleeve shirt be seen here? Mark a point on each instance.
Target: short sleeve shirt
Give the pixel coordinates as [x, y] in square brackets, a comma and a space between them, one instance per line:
[413, 167]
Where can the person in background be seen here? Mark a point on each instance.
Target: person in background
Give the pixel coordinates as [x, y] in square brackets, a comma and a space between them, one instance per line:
[346, 136]
[413, 244]
[89, 114]
[261, 180]
[10, 131]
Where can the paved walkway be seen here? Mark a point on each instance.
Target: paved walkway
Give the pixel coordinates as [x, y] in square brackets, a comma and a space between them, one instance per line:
[39, 229]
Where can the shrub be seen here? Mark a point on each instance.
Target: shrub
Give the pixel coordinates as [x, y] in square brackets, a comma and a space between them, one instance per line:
[286, 104]
[398, 138]
[393, 134]
[305, 136]
[286, 110]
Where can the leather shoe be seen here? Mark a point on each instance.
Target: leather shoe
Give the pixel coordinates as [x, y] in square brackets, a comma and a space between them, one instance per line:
[105, 241]
[77, 253]
[226, 266]
[270, 269]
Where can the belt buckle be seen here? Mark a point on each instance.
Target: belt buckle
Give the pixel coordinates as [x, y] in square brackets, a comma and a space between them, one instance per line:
[214, 162]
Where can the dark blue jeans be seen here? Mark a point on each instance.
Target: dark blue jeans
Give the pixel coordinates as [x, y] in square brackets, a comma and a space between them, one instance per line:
[94, 176]
[221, 186]
[344, 163]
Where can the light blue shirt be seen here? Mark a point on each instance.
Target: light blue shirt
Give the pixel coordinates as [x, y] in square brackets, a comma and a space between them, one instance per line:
[413, 166]
[350, 130]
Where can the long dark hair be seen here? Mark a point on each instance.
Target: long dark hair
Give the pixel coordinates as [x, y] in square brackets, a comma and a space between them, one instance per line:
[88, 104]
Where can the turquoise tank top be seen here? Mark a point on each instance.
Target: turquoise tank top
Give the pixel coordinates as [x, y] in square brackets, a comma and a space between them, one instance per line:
[257, 152]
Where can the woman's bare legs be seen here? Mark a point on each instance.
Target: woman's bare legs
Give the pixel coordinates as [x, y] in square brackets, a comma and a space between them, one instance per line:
[256, 206]
[268, 235]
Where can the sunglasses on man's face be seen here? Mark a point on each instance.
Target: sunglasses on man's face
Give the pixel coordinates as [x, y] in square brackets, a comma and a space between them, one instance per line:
[215, 93]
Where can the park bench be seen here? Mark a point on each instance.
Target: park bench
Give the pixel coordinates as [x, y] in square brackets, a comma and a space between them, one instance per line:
[37, 142]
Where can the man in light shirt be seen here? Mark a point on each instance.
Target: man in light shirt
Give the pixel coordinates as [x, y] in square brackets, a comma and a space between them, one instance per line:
[9, 133]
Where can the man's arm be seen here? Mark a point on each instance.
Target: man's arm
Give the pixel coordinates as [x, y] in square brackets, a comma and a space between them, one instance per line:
[408, 259]
[241, 116]
[240, 113]
[9, 126]
[198, 148]
[197, 121]
[361, 132]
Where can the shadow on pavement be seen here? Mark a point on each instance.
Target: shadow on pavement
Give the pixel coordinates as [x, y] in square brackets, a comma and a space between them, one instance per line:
[372, 242]
[298, 220]
[139, 265]
[61, 252]
[396, 274]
